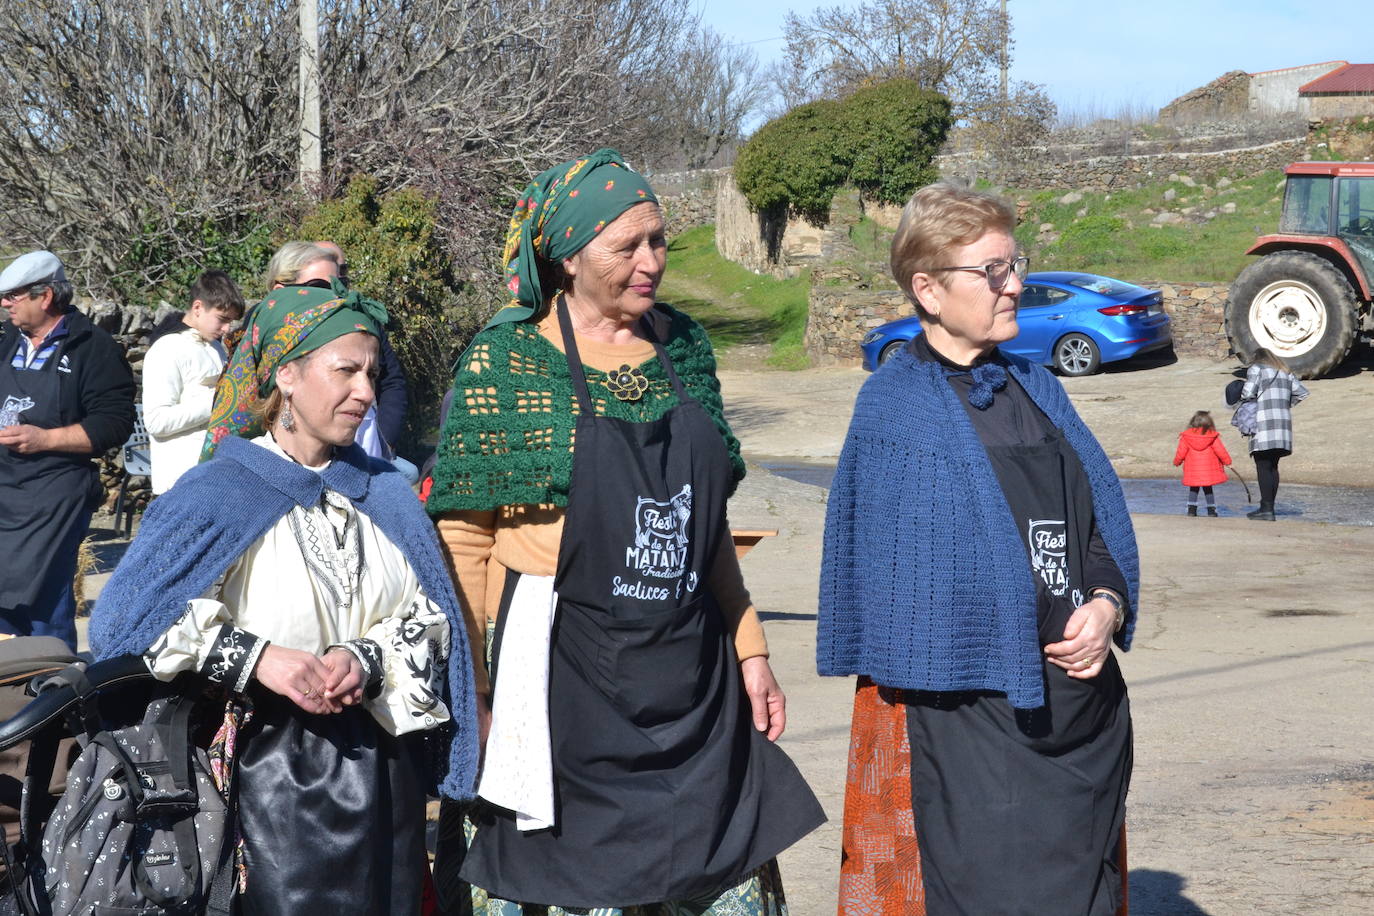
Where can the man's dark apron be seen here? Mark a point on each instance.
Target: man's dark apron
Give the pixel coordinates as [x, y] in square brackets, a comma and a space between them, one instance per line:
[47, 497]
[1019, 812]
[664, 789]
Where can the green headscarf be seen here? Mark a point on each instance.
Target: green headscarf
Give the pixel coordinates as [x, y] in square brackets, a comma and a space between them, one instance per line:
[557, 216]
[290, 322]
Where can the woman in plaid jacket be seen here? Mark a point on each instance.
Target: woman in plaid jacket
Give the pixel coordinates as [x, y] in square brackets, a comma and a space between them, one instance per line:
[1275, 390]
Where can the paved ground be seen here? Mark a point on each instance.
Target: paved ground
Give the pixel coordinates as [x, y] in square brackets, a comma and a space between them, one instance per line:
[1252, 676]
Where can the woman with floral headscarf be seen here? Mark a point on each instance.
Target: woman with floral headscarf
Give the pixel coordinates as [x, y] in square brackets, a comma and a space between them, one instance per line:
[303, 577]
[580, 492]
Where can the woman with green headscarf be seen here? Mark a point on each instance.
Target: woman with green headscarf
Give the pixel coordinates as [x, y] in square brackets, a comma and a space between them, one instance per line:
[580, 491]
[303, 579]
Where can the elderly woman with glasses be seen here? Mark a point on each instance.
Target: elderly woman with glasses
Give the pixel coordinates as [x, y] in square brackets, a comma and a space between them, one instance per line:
[979, 562]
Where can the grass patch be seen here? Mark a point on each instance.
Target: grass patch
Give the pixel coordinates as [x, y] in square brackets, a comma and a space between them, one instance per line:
[1114, 234]
[734, 305]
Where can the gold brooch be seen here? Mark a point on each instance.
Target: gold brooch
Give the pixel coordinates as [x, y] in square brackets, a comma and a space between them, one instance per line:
[627, 384]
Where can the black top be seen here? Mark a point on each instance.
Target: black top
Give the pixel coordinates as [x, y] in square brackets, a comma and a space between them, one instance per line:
[95, 383]
[1014, 419]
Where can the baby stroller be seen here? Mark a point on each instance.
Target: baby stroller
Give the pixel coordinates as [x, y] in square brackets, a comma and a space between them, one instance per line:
[71, 701]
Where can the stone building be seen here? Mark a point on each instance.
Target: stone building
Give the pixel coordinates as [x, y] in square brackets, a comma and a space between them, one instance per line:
[1331, 89]
[1277, 92]
[1224, 98]
[1347, 92]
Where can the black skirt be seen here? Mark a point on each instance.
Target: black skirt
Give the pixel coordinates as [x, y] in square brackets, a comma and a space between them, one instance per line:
[333, 813]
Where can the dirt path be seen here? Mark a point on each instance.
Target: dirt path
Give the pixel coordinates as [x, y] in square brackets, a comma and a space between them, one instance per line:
[1251, 678]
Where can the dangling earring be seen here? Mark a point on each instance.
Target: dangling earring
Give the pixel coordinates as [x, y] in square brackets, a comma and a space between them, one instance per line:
[287, 419]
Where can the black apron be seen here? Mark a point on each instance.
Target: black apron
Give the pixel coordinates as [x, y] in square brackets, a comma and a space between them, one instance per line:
[332, 813]
[1020, 811]
[664, 789]
[47, 497]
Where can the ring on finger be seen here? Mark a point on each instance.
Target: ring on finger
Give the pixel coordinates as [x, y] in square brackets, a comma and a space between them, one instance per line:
[1086, 663]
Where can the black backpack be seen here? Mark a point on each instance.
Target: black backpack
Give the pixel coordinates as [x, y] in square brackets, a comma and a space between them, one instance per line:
[141, 829]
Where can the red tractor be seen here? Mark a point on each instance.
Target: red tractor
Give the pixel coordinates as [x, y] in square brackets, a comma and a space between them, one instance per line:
[1308, 296]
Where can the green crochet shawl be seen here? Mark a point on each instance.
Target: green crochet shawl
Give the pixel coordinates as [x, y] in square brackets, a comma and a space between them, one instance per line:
[508, 439]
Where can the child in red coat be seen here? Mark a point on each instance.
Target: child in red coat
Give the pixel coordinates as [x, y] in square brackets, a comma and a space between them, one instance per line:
[1204, 460]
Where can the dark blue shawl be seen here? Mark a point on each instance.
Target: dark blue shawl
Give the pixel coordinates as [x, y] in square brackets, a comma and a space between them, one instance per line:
[191, 534]
[924, 580]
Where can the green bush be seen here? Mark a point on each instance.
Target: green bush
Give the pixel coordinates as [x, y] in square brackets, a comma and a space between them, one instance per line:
[895, 129]
[395, 256]
[881, 139]
[240, 248]
[795, 163]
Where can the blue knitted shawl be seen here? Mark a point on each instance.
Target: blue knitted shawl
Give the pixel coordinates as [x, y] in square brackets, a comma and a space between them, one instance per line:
[191, 534]
[924, 580]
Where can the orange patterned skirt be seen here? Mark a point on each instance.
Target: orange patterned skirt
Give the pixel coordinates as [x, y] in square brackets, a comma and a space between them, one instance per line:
[880, 861]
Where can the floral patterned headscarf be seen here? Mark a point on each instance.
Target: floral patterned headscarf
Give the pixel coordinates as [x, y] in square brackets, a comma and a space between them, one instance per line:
[557, 215]
[290, 322]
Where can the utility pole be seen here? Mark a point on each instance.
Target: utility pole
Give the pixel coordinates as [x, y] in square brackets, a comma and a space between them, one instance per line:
[1006, 39]
[310, 94]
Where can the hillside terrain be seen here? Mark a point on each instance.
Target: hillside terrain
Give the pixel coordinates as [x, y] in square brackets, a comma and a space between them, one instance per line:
[1175, 230]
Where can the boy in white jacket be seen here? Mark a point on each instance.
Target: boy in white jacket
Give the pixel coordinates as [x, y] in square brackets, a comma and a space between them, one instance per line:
[179, 375]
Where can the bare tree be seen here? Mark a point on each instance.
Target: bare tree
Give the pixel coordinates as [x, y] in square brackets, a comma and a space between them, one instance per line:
[466, 99]
[954, 47]
[697, 108]
[136, 134]
[128, 126]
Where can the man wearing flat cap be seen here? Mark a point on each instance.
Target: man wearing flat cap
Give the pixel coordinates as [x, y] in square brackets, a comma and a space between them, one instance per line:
[66, 396]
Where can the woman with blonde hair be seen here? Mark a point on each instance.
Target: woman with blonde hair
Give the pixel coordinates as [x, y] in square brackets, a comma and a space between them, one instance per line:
[299, 263]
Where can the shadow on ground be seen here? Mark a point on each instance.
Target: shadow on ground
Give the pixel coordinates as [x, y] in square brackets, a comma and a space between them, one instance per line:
[1160, 893]
[1153, 360]
[725, 327]
[108, 547]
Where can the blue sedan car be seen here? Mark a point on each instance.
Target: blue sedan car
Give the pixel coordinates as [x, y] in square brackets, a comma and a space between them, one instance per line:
[1072, 322]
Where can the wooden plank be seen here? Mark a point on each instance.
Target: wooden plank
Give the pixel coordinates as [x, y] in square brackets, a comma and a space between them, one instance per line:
[746, 538]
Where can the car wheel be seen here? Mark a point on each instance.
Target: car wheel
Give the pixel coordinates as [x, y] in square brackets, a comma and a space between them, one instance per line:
[1076, 354]
[1297, 306]
[890, 351]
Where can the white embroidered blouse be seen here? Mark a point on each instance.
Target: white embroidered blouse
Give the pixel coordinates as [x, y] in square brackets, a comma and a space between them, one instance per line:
[321, 576]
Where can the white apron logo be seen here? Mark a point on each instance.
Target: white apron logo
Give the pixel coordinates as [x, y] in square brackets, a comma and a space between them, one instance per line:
[9, 414]
[1048, 541]
[660, 546]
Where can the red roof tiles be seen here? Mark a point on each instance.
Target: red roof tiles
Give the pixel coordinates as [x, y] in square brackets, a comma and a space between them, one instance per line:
[1350, 78]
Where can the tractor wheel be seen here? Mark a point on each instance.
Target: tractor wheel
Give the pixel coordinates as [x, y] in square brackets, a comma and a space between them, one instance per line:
[1297, 306]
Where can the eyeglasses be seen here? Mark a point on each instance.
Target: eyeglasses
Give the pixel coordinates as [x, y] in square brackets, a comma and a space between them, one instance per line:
[998, 272]
[21, 293]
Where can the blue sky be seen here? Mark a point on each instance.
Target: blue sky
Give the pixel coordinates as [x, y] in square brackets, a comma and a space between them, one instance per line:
[1101, 55]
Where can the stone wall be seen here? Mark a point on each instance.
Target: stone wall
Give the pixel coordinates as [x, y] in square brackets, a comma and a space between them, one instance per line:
[1226, 96]
[1198, 313]
[1110, 173]
[1341, 105]
[841, 313]
[761, 244]
[688, 199]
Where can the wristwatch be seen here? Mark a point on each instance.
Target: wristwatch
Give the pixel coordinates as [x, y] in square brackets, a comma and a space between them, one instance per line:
[1115, 602]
